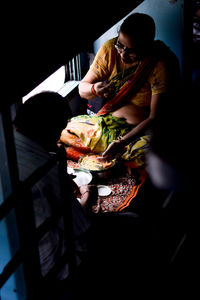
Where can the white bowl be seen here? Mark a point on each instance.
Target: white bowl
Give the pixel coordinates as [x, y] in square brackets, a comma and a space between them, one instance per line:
[103, 190]
[82, 177]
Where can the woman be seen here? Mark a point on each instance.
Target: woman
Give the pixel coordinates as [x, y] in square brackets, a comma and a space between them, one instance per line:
[130, 72]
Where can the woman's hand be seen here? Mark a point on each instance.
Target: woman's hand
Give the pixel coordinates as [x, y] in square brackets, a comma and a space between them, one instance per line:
[89, 87]
[103, 89]
[115, 148]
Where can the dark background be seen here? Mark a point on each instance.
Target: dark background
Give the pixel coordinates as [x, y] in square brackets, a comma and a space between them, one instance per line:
[39, 37]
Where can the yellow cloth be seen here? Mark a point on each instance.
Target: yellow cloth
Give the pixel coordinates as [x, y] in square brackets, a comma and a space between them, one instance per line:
[104, 67]
[135, 150]
[97, 132]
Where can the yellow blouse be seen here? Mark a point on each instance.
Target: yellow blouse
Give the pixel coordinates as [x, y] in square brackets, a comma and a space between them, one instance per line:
[104, 67]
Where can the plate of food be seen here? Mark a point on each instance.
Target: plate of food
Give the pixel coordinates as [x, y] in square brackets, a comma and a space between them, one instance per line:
[94, 162]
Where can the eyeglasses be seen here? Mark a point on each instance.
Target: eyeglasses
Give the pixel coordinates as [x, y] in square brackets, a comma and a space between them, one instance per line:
[120, 48]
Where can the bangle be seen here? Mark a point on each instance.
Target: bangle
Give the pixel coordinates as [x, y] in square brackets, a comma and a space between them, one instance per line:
[93, 90]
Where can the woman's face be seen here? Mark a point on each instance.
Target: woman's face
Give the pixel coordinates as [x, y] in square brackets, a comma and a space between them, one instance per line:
[125, 47]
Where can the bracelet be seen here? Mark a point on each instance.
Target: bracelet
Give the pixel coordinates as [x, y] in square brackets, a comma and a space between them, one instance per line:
[93, 90]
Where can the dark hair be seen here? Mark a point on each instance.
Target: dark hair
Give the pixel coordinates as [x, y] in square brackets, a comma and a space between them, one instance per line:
[140, 28]
[42, 118]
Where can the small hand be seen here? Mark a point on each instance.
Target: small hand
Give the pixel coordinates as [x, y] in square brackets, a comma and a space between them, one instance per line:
[89, 195]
